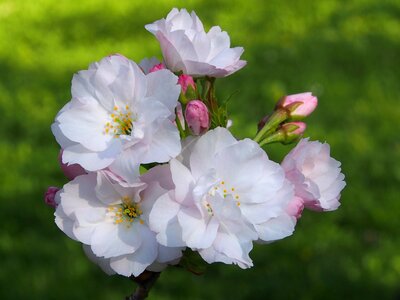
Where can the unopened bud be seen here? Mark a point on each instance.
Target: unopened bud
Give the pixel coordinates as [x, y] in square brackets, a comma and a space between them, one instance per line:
[157, 67]
[197, 117]
[299, 105]
[293, 131]
[70, 171]
[186, 81]
[49, 196]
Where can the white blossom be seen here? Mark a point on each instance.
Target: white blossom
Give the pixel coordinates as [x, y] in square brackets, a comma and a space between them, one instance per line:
[112, 220]
[119, 118]
[226, 194]
[315, 174]
[187, 47]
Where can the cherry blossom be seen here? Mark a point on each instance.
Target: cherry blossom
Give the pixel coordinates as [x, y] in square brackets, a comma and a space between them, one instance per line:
[188, 48]
[119, 118]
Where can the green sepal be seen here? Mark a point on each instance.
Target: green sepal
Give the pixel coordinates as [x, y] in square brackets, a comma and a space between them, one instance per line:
[192, 262]
[142, 170]
[191, 94]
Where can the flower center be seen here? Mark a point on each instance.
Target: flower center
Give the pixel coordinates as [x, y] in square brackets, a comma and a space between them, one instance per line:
[224, 189]
[126, 212]
[121, 122]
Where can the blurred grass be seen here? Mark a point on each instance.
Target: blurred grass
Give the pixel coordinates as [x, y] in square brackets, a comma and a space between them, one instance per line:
[346, 52]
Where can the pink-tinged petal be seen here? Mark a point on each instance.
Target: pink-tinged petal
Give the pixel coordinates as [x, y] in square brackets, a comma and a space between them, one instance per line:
[187, 47]
[308, 104]
[171, 55]
[315, 174]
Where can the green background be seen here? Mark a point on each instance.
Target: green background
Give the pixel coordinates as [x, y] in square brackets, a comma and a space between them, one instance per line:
[346, 52]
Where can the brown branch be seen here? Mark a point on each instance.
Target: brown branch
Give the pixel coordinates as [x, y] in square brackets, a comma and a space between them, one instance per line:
[144, 281]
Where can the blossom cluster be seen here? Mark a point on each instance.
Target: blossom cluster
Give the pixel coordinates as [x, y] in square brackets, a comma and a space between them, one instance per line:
[154, 170]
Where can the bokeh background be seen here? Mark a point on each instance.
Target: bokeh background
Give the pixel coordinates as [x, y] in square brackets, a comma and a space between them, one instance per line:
[346, 52]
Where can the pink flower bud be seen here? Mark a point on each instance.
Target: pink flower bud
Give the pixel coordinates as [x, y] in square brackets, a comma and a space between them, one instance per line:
[49, 196]
[185, 81]
[294, 128]
[157, 67]
[291, 132]
[70, 171]
[306, 104]
[197, 118]
[295, 207]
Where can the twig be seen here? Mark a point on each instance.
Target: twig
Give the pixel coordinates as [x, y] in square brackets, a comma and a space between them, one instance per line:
[145, 281]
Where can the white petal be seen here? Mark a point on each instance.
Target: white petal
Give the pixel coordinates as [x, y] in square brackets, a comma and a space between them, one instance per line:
[103, 263]
[165, 144]
[110, 192]
[61, 139]
[206, 147]
[85, 125]
[276, 228]
[163, 221]
[183, 181]
[160, 174]
[163, 86]
[111, 240]
[136, 262]
[65, 223]
[91, 161]
[197, 232]
[127, 164]
[168, 254]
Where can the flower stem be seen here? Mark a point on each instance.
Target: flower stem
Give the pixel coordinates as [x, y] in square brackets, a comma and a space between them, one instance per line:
[144, 281]
[274, 120]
